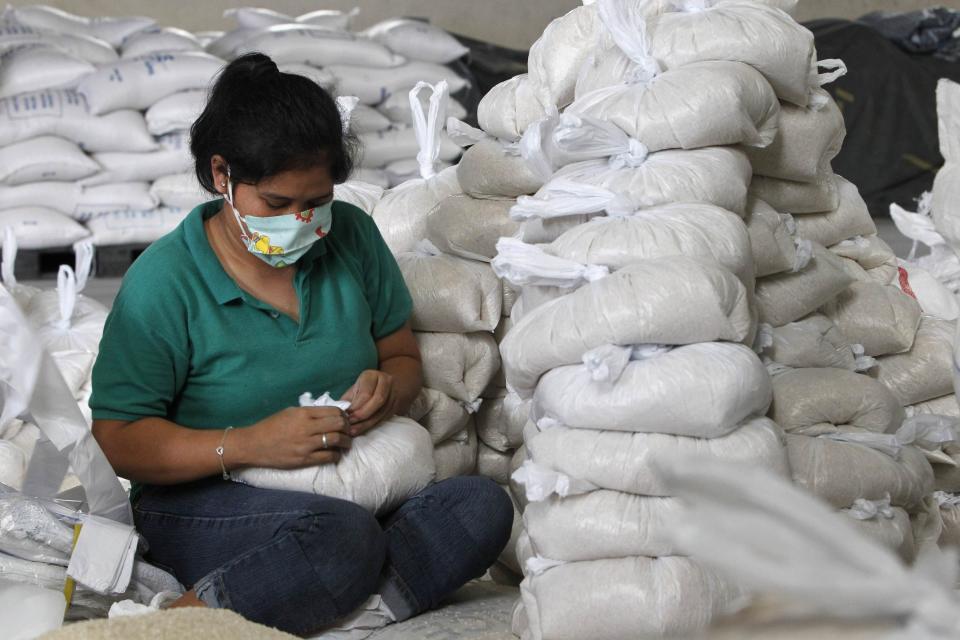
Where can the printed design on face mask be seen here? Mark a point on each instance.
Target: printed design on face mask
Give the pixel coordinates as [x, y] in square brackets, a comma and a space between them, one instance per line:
[262, 244]
[321, 233]
[305, 216]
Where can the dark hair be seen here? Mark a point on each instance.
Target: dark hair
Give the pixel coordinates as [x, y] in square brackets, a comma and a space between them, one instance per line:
[264, 122]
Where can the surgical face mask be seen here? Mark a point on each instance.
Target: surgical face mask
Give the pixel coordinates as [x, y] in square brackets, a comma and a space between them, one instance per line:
[282, 240]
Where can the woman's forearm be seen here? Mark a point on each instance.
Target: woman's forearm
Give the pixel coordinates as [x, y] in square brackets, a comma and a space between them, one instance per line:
[157, 451]
[407, 373]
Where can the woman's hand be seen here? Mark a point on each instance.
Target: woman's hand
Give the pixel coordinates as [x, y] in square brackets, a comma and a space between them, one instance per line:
[372, 400]
[292, 438]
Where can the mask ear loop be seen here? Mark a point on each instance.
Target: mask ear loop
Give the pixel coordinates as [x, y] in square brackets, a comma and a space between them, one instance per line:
[228, 196]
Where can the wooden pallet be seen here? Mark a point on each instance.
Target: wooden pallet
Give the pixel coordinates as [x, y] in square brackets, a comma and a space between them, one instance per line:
[43, 264]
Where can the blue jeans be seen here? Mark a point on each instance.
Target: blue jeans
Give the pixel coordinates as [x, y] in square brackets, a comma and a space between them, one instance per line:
[299, 562]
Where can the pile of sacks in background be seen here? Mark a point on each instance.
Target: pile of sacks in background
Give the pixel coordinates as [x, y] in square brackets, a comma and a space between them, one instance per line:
[663, 193]
[95, 113]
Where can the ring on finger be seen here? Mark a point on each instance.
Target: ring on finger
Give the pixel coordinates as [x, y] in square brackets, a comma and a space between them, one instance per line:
[323, 440]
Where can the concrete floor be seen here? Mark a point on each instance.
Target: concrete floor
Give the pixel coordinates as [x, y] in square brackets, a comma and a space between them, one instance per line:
[104, 290]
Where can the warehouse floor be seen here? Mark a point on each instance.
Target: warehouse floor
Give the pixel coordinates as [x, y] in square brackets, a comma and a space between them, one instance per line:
[104, 290]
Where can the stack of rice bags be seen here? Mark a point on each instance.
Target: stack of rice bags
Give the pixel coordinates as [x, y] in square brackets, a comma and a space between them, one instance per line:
[69, 326]
[76, 146]
[456, 302]
[379, 66]
[636, 307]
[848, 344]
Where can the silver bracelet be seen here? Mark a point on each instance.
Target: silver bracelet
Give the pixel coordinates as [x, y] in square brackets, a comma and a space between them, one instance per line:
[223, 467]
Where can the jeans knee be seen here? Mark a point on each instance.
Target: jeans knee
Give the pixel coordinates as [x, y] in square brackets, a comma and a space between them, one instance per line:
[347, 548]
[484, 508]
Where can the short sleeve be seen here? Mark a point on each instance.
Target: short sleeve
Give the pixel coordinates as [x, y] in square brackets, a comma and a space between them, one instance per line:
[387, 293]
[140, 369]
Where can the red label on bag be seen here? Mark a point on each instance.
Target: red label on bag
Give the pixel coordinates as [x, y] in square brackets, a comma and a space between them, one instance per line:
[905, 283]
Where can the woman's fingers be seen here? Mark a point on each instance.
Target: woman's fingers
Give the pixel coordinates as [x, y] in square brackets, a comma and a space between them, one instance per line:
[384, 412]
[333, 440]
[323, 457]
[379, 397]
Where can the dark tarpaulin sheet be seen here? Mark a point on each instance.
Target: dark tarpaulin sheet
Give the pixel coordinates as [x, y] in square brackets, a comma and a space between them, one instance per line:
[888, 100]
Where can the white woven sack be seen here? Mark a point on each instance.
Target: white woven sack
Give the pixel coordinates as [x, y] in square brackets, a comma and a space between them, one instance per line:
[329, 18]
[470, 228]
[813, 342]
[772, 244]
[704, 104]
[44, 159]
[417, 40]
[381, 470]
[934, 297]
[373, 85]
[110, 29]
[869, 251]
[65, 321]
[676, 300]
[42, 228]
[166, 40]
[75, 367]
[623, 598]
[173, 156]
[947, 477]
[13, 467]
[34, 67]
[808, 399]
[602, 524]
[489, 170]
[808, 138]
[509, 108]
[925, 371]
[78, 201]
[22, 293]
[401, 214]
[500, 422]
[380, 148]
[946, 184]
[558, 54]
[787, 196]
[64, 113]
[457, 456]
[786, 297]
[460, 365]
[93, 50]
[493, 464]
[407, 169]
[850, 218]
[842, 472]
[621, 461]
[176, 112]
[950, 536]
[714, 175]
[134, 227]
[451, 294]
[880, 317]
[694, 230]
[890, 529]
[138, 84]
[178, 191]
[397, 109]
[735, 30]
[943, 406]
[439, 414]
[362, 195]
[704, 391]
[365, 119]
[319, 47]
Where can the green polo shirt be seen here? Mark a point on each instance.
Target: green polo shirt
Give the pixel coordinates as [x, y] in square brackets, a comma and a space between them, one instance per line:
[185, 343]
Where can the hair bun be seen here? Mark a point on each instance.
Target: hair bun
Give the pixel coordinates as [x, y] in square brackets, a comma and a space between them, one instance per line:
[254, 67]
